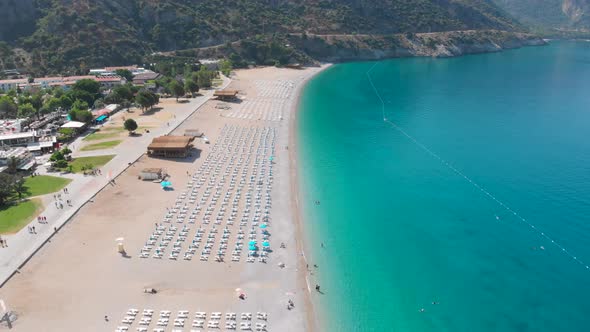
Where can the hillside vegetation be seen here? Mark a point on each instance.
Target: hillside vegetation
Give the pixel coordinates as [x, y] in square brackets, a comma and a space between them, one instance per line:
[569, 15]
[77, 34]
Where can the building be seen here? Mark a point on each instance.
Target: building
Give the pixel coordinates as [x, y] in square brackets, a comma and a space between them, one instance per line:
[149, 174]
[48, 82]
[113, 70]
[45, 145]
[226, 94]
[17, 139]
[7, 85]
[25, 159]
[210, 64]
[11, 126]
[77, 126]
[109, 81]
[145, 78]
[170, 146]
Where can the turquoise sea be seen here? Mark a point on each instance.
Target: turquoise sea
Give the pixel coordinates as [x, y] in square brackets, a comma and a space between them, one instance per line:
[401, 229]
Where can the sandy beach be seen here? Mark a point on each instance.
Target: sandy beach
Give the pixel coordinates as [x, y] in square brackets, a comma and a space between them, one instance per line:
[222, 196]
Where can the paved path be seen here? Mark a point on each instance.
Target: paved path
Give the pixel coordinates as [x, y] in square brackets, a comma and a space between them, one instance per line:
[22, 245]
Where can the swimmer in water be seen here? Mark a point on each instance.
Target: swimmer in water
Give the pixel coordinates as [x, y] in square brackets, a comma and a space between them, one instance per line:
[422, 310]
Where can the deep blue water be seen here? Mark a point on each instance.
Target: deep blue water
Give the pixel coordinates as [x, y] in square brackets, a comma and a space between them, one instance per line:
[401, 229]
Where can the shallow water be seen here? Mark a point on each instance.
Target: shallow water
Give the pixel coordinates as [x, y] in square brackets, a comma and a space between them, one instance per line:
[401, 229]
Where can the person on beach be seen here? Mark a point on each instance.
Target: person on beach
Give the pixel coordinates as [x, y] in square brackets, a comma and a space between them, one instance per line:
[317, 288]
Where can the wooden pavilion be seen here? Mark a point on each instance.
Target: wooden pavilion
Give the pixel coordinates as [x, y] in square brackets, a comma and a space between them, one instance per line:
[170, 146]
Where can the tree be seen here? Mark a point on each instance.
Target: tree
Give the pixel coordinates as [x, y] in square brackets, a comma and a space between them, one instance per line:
[66, 102]
[204, 77]
[12, 165]
[66, 151]
[125, 73]
[88, 85]
[130, 125]
[191, 86]
[225, 66]
[87, 90]
[146, 99]
[57, 155]
[60, 164]
[26, 110]
[8, 107]
[81, 115]
[98, 104]
[80, 105]
[6, 187]
[20, 187]
[176, 89]
[53, 104]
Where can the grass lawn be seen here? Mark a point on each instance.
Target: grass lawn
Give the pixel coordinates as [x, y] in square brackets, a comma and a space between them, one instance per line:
[96, 161]
[45, 184]
[104, 133]
[15, 217]
[101, 145]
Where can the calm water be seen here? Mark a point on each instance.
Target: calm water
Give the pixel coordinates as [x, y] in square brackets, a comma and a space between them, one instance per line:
[402, 230]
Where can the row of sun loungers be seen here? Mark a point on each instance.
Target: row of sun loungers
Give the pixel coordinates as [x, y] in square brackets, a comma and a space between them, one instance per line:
[199, 320]
[175, 243]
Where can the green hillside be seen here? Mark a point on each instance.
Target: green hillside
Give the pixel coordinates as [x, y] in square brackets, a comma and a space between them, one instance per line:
[550, 14]
[77, 34]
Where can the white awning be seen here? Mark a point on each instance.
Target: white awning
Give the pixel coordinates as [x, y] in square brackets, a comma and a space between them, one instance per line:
[73, 124]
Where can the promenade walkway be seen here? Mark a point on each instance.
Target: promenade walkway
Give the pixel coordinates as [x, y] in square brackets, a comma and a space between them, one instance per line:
[22, 245]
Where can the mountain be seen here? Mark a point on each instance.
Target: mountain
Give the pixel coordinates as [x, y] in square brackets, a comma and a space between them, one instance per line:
[77, 34]
[550, 14]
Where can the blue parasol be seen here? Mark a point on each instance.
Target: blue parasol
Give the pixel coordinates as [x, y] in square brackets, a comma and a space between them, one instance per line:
[253, 248]
[266, 244]
[263, 226]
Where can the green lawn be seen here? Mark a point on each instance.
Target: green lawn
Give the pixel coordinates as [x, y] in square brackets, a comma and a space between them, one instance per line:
[101, 145]
[45, 184]
[15, 217]
[104, 133]
[96, 161]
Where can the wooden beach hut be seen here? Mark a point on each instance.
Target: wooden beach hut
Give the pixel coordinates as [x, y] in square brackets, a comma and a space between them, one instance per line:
[226, 94]
[170, 146]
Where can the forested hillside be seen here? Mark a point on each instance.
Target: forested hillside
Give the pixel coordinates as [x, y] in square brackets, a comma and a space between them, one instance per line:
[82, 33]
[550, 14]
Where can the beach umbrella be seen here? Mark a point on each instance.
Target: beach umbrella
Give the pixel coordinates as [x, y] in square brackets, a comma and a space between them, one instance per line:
[119, 239]
[266, 244]
[272, 158]
[253, 248]
[263, 226]
[252, 242]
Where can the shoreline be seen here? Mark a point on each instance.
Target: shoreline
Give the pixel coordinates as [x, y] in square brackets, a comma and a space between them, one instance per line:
[302, 241]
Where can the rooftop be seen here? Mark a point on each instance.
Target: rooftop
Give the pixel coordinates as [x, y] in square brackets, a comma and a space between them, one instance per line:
[73, 124]
[225, 93]
[17, 135]
[170, 142]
